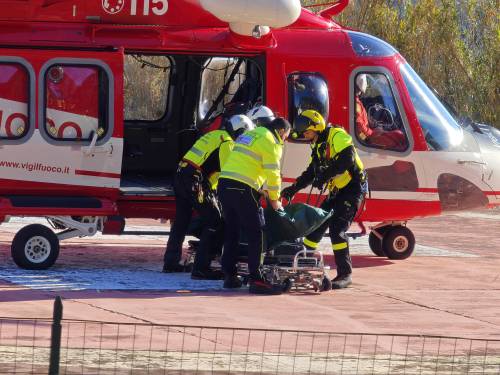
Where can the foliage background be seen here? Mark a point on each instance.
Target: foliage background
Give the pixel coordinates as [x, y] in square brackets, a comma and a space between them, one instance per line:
[454, 45]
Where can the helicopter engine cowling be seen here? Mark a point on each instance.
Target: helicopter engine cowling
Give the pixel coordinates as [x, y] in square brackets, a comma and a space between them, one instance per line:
[244, 16]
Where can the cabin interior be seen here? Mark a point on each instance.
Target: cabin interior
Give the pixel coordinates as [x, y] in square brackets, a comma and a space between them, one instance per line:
[167, 101]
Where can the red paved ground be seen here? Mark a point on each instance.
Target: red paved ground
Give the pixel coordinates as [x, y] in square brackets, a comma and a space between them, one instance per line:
[457, 295]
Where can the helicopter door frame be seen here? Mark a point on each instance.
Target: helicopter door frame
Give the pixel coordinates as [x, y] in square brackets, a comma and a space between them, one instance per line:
[392, 174]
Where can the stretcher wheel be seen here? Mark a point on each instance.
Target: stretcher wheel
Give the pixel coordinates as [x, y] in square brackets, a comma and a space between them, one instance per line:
[316, 286]
[326, 284]
[398, 243]
[35, 247]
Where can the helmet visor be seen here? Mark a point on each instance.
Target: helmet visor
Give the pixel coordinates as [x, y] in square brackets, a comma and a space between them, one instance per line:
[300, 125]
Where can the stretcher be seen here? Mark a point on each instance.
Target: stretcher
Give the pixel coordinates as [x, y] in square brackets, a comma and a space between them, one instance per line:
[286, 262]
[294, 267]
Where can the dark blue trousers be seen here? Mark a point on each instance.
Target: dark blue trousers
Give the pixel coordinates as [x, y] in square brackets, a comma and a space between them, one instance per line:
[242, 213]
[187, 189]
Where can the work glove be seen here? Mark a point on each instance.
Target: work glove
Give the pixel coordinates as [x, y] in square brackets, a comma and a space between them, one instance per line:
[289, 192]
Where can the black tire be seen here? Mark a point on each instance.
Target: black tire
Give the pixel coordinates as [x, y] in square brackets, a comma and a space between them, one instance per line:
[287, 285]
[398, 243]
[35, 247]
[375, 245]
[326, 284]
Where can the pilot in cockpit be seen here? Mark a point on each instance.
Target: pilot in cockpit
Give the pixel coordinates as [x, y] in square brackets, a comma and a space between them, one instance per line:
[376, 126]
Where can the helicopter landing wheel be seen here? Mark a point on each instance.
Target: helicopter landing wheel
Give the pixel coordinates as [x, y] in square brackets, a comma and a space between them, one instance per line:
[398, 243]
[375, 243]
[35, 247]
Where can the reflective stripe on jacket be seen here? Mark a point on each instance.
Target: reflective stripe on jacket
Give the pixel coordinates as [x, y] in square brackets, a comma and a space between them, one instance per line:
[255, 160]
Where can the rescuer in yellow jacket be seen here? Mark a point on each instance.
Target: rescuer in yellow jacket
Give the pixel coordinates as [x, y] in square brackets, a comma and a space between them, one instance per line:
[336, 164]
[254, 161]
[195, 184]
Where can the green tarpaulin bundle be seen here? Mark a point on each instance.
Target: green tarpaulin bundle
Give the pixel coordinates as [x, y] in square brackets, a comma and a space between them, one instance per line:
[294, 221]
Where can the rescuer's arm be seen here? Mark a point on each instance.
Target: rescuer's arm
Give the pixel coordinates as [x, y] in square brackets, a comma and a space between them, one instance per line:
[305, 179]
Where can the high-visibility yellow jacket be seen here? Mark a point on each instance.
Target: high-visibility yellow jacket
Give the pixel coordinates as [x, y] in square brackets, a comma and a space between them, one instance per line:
[255, 160]
[336, 141]
[327, 152]
[209, 154]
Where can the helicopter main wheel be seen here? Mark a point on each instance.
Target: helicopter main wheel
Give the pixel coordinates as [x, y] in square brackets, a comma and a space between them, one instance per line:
[398, 243]
[375, 245]
[35, 247]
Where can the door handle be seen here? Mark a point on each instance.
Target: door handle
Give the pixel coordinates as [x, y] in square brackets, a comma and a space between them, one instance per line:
[459, 161]
[108, 149]
[93, 149]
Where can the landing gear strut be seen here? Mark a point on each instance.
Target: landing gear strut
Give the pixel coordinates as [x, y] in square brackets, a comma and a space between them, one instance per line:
[395, 241]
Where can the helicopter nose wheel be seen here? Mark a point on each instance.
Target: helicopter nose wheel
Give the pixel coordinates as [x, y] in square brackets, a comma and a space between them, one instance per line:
[35, 247]
[397, 242]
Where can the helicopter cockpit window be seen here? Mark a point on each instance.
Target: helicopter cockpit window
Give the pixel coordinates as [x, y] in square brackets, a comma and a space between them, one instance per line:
[246, 86]
[365, 45]
[76, 102]
[146, 87]
[378, 121]
[14, 99]
[441, 131]
[307, 91]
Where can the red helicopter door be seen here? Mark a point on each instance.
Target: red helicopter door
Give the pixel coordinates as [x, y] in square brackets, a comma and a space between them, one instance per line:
[386, 141]
[61, 121]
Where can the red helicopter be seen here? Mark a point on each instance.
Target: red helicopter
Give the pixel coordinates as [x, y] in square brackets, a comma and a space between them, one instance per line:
[99, 99]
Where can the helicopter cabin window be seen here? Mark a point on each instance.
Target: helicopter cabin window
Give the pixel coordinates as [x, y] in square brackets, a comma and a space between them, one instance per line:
[307, 91]
[365, 45]
[76, 98]
[378, 122]
[14, 99]
[231, 84]
[441, 131]
[146, 87]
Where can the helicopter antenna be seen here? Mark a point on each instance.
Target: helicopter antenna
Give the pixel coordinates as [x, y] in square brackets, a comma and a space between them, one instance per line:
[336, 7]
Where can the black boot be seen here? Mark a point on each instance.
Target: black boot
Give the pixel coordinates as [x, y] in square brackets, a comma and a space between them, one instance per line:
[207, 274]
[259, 285]
[232, 282]
[172, 268]
[344, 269]
[341, 281]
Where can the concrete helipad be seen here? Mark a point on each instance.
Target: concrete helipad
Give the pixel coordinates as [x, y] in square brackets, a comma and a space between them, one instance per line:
[450, 286]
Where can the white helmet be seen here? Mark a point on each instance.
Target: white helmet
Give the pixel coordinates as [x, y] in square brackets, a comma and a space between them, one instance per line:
[238, 124]
[261, 115]
[362, 82]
